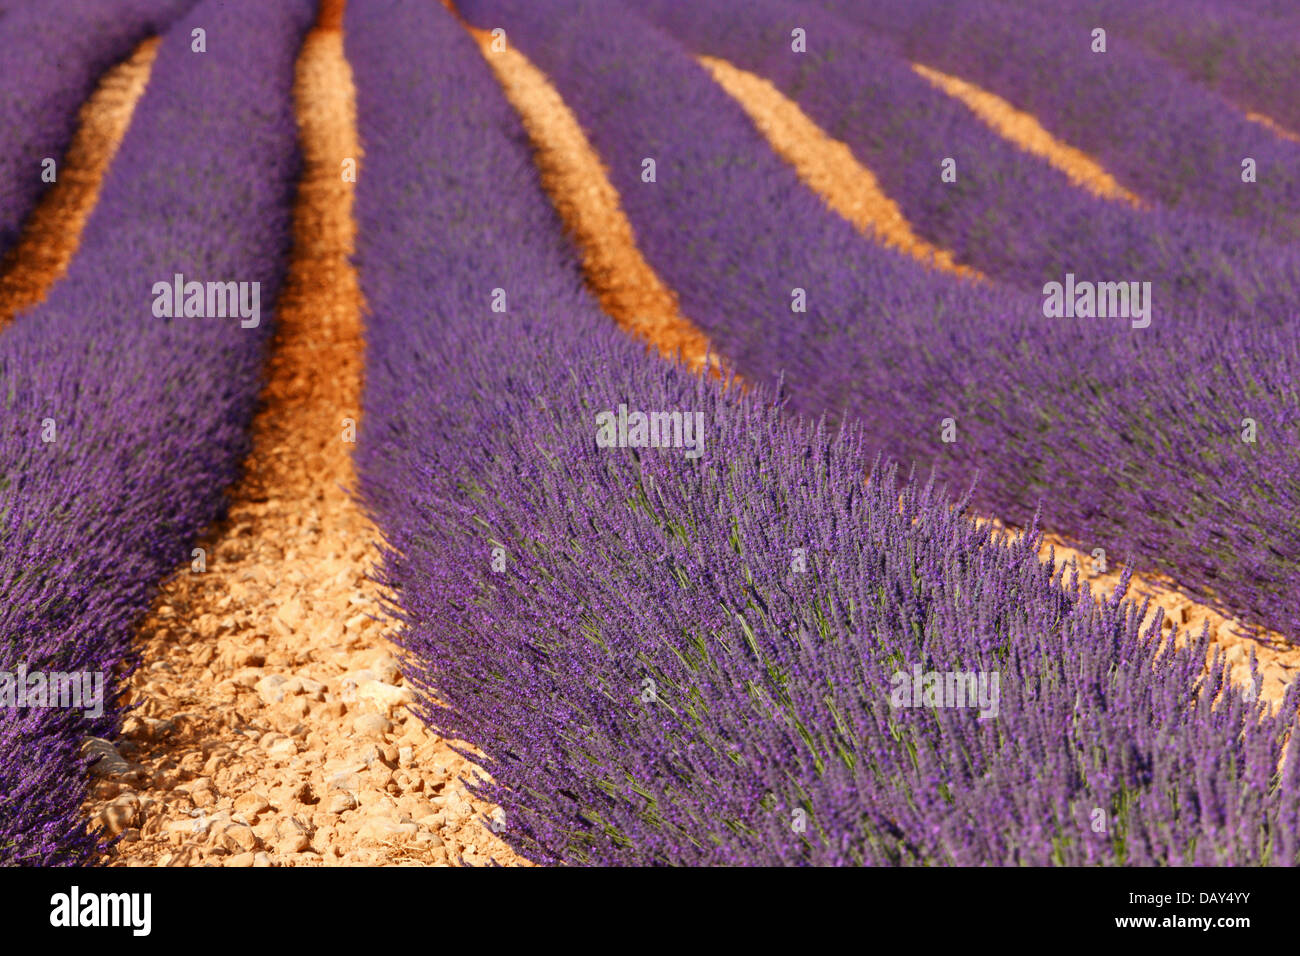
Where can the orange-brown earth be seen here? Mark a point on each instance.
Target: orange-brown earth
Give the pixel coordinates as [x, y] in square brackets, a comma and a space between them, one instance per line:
[827, 165]
[1025, 131]
[573, 175]
[1277, 129]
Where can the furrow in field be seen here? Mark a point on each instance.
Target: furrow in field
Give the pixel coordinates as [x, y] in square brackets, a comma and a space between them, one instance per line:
[1025, 131]
[1273, 126]
[53, 230]
[827, 166]
[627, 287]
[273, 727]
[1279, 660]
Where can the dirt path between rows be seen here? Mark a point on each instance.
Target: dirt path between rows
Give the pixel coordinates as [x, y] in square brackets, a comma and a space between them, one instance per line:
[1024, 130]
[273, 727]
[1274, 127]
[828, 166]
[628, 288]
[53, 230]
[570, 167]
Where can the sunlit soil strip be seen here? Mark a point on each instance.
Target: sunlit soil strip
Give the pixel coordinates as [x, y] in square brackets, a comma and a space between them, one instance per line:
[1273, 127]
[628, 288]
[1025, 131]
[827, 165]
[53, 230]
[1278, 660]
[273, 726]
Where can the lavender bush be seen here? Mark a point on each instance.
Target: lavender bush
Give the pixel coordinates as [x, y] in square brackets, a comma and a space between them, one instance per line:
[1247, 55]
[1164, 138]
[53, 54]
[623, 632]
[148, 415]
[1128, 439]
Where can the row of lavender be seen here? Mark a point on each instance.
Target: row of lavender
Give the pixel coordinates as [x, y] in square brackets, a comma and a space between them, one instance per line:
[1244, 51]
[1164, 138]
[53, 54]
[688, 654]
[123, 419]
[1169, 443]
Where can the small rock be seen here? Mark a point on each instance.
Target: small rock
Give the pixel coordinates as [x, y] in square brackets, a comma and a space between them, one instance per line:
[294, 709]
[1227, 630]
[265, 831]
[242, 859]
[216, 762]
[372, 725]
[110, 762]
[248, 677]
[282, 747]
[383, 695]
[252, 656]
[290, 826]
[341, 802]
[123, 813]
[304, 794]
[380, 829]
[305, 686]
[239, 837]
[293, 844]
[385, 669]
[251, 804]
[271, 688]
[290, 613]
[182, 828]
[343, 780]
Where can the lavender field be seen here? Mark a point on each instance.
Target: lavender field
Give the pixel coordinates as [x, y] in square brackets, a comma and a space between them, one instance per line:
[367, 495]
